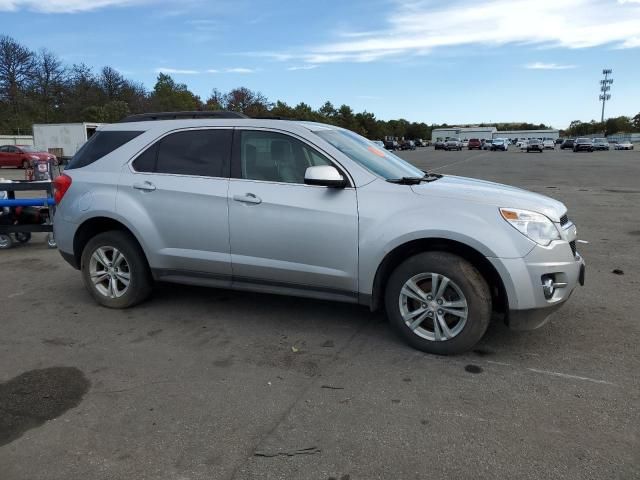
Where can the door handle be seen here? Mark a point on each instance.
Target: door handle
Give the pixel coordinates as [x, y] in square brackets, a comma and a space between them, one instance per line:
[145, 186]
[247, 198]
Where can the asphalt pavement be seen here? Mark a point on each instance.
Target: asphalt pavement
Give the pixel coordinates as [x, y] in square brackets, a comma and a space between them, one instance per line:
[214, 384]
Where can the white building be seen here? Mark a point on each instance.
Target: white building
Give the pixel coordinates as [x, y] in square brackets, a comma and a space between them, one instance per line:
[527, 134]
[16, 140]
[489, 133]
[485, 133]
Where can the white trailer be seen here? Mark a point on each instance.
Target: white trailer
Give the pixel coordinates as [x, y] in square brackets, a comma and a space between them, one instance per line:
[62, 139]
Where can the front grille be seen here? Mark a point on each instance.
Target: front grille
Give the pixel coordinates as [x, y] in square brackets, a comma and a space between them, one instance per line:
[564, 220]
[573, 247]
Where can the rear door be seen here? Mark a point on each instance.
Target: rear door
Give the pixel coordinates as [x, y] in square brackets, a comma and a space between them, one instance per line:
[4, 156]
[10, 156]
[176, 192]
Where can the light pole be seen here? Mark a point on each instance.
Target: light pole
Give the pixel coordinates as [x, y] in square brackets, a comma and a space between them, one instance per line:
[605, 86]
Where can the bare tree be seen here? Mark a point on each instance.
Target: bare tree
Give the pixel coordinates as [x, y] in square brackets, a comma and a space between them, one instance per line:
[49, 81]
[17, 67]
[246, 101]
[111, 82]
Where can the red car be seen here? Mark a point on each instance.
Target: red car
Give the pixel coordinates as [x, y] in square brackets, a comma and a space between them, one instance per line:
[474, 143]
[21, 156]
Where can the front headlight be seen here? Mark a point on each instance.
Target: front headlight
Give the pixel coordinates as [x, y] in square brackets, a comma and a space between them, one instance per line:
[533, 225]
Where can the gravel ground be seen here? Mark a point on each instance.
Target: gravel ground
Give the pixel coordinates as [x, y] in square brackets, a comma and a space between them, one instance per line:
[215, 384]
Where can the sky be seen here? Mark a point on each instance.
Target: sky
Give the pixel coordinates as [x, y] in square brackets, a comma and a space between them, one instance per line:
[433, 61]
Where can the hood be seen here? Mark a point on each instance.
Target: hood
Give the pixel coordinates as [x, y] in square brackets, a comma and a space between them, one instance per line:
[490, 193]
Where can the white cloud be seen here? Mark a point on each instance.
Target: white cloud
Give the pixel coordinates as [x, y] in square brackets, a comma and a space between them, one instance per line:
[239, 70]
[232, 70]
[420, 26]
[63, 6]
[547, 66]
[301, 67]
[178, 71]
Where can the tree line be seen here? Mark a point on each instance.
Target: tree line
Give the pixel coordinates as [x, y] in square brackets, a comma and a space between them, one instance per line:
[37, 87]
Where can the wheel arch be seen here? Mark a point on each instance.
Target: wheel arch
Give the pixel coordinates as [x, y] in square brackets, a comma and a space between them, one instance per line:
[400, 253]
[94, 226]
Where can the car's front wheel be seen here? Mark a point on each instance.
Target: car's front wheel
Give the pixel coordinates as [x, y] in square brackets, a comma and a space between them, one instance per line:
[438, 302]
[115, 270]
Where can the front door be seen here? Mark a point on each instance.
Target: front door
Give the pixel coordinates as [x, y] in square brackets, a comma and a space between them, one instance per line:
[283, 233]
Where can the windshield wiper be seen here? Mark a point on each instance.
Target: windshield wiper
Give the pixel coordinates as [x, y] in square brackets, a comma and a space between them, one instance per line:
[427, 177]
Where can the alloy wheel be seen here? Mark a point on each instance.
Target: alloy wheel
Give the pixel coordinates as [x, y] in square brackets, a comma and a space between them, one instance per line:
[109, 271]
[433, 306]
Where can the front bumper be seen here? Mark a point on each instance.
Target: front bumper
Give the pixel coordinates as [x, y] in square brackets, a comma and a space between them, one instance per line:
[528, 306]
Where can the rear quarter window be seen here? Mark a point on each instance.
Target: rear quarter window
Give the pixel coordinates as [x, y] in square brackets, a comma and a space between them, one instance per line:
[99, 145]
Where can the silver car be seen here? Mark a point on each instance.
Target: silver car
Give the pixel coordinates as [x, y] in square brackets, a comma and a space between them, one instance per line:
[453, 144]
[313, 210]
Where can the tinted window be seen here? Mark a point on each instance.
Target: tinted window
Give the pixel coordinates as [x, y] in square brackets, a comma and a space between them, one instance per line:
[275, 157]
[99, 145]
[195, 152]
[146, 161]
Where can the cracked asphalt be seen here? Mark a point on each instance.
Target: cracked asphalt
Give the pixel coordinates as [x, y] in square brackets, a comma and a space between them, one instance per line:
[214, 384]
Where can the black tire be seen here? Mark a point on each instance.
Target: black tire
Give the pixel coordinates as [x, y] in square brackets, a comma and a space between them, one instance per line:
[141, 283]
[466, 277]
[22, 237]
[6, 241]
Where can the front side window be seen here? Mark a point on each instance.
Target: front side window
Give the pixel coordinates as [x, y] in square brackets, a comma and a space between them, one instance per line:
[275, 157]
[202, 153]
[379, 161]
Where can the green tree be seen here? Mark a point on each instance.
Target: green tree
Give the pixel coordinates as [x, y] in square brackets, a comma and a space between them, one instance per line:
[169, 96]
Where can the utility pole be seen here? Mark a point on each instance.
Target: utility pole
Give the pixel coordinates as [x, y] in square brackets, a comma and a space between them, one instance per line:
[605, 86]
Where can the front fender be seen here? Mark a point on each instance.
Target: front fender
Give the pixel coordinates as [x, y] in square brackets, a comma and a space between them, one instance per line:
[389, 219]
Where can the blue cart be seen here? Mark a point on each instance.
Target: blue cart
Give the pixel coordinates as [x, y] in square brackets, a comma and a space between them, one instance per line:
[14, 228]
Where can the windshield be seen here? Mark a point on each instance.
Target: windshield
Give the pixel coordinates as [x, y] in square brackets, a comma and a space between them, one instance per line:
[369, 155]
[28, 149]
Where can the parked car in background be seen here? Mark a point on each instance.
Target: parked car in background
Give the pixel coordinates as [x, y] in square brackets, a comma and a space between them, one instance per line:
[420, 143]
[487, 145]
[559, 141]
[626, 145]
[499, 144]
[474, 143]
[21, 156]
[600, 144]
[439, 144]
[453, 144]
[465, 143]
[548, 144]
[534, 145]
[568, 143]
[408, 145]
[307, 209]
[391, 145]
[583, 145]
[522, 143]
[379, 143]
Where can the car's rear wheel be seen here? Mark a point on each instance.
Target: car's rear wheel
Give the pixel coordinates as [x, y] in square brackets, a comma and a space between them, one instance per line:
[115, 270]
[5, 241]
[438, 303]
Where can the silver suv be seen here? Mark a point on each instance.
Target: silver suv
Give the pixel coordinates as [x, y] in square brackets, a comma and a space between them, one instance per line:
[307, 209]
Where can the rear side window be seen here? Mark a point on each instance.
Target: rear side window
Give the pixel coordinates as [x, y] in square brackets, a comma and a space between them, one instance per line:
[204, 153]
[99, 145]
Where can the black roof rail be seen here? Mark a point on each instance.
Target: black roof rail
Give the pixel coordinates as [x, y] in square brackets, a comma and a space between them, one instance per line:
[144, 117]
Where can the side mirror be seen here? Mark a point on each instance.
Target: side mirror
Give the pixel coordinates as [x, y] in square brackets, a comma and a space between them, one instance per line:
[325, 176]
